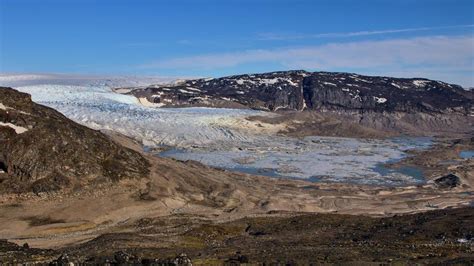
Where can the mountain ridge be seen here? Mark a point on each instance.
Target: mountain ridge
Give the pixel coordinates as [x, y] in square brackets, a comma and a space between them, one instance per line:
[299, 90]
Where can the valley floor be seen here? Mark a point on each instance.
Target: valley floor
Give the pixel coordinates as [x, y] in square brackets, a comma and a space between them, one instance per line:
[211, 214]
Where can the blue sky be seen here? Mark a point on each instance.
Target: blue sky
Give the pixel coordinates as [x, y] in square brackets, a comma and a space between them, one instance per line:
[405, 38]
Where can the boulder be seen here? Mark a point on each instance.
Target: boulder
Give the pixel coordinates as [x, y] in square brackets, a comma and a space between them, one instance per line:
[448, 181]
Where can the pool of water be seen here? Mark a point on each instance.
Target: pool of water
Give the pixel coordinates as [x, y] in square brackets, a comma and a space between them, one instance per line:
[412, 171]
[466, 154]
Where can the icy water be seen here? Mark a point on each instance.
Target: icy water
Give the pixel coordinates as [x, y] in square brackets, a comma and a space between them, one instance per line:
[317, 159]
[217, 137]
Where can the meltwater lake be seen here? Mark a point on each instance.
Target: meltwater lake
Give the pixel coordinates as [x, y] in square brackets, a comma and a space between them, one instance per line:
[316, 159]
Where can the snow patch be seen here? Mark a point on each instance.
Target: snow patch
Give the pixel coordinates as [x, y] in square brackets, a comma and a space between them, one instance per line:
[329, 83]
[396, 85]
[291, 82]
[144, 101]
[380, 99]
[192, 89]
[420, 83]
[185, 91]
[269, 81]
[18, 129]
[363, 80]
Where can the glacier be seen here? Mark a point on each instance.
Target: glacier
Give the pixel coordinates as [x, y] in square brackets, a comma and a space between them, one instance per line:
[223, 138]
[102, 109]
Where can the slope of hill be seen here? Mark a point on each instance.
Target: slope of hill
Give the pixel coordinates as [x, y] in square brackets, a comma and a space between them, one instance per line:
[41, 150]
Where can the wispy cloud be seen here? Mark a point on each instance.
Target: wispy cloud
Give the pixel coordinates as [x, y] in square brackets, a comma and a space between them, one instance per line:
[455, 53]
[435, 50]
[279, 36]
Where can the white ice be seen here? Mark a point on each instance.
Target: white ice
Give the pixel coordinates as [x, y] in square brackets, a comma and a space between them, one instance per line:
[101, 108]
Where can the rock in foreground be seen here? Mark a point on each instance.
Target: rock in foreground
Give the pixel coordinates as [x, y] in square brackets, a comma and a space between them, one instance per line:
[41, 150]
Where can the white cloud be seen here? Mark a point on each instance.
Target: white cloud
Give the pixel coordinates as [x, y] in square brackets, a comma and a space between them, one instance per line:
[438, 51]
[278, 36]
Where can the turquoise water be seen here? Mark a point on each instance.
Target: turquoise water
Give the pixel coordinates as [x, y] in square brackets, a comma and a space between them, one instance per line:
[466, 154]
[412, 171]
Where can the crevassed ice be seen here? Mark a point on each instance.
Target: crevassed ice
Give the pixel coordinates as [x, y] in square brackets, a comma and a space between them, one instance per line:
[100, 108]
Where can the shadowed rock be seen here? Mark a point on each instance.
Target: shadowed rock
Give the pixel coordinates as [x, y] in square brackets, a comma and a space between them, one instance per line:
[448, 181]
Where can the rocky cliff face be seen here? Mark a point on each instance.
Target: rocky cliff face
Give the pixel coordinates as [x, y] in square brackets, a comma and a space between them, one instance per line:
[41, 150]
[356, 92]
[299, 90]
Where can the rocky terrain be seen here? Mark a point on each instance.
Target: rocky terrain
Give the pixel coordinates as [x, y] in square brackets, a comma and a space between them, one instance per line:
[435, 237]
[301, 90]
[42, 151]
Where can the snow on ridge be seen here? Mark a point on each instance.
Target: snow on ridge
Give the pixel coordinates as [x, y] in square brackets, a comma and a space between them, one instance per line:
[396, 85]
[329, 83]
[420, 83]
[269, 81]
[363, 80]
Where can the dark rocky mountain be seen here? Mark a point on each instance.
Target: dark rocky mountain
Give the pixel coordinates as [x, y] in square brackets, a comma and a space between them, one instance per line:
[42, 150]
[299, 90]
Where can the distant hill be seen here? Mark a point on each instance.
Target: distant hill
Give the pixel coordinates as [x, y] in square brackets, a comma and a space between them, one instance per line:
[301, 90]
